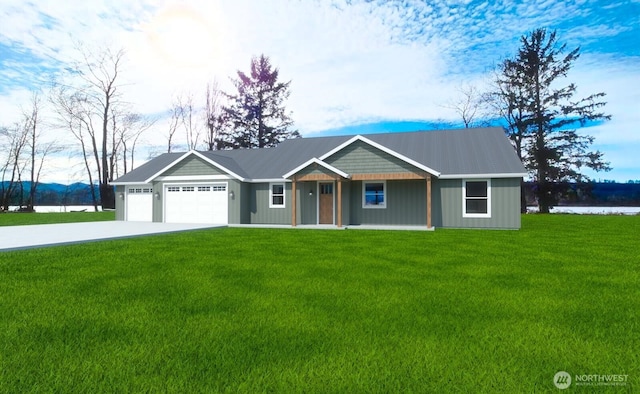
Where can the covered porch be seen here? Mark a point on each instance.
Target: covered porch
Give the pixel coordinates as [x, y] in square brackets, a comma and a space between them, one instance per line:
[328, 198]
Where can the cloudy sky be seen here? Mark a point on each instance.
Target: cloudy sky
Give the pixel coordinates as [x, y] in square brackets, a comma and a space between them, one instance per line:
[355, 66]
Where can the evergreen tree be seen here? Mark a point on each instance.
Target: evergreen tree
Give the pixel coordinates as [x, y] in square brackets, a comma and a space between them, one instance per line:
[255, 116]
[543, 116]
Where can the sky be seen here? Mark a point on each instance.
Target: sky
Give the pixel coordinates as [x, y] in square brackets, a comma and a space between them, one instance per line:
[355, 67]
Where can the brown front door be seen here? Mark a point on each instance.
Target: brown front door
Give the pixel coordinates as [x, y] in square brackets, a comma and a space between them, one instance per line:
[325, 203]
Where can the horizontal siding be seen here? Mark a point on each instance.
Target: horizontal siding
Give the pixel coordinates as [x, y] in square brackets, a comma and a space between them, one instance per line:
[505, 205]
[192, 165]
[362, 158]
[315, 169]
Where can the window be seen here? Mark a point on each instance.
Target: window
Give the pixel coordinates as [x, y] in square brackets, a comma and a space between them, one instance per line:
[219, 188]
[188, 189]
[139, 190]
[276, 195]
[173, 188]
[476, 198]
[374, 194]
[204, 188]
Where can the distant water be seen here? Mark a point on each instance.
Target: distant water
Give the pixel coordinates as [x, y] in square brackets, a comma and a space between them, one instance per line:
[61, 208]
[576, 210]
[593, 210]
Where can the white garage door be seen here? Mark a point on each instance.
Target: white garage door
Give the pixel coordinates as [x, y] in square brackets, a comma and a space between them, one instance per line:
[195, 203]
[139, 204]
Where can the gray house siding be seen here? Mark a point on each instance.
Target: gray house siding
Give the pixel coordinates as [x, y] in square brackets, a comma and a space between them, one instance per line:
[192, 165]
[346, 206]
[406, 205]
[315, 169]
[120, 191]
[235, 203]
[362, 158]
[307, 204]
[158, 203]
[245, 203]
[259, 210]
[505, 205]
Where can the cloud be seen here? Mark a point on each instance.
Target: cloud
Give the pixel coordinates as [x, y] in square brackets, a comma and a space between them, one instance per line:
[350, 62]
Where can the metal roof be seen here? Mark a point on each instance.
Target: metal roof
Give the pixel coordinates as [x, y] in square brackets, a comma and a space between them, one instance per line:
[474, 152]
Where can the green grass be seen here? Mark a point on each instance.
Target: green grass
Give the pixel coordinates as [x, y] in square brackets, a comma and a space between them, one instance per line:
[26, 218]
[255, 310]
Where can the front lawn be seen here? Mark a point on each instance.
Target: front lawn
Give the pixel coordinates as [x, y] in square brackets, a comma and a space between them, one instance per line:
[253, 310]
[25, 218]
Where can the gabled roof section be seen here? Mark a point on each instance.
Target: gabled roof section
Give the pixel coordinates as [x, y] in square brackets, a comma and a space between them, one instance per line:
[141, 174]
[459, 153]
[156, 167]
[319, 162]
[384, 149]
[201, 156]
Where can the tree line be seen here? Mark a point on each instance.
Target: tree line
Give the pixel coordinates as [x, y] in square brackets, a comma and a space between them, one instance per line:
[527, 96]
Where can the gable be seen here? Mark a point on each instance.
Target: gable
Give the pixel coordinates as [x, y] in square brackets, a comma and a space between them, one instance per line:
[192, 165]
[362, 158]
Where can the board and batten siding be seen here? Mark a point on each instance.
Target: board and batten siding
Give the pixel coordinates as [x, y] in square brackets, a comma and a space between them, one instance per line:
[362, 158]
[406, 205]
[120, 209]
[193, 165]
[505, 205]
[307, 204]
[235, 206]
[260, 213]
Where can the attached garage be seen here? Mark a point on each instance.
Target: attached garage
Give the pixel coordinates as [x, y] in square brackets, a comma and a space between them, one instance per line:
[139, 204]
[196, 203]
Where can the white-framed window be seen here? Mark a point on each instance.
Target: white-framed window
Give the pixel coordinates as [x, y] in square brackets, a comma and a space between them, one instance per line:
[276, 195]
[374, 194]
[173, 188]
[476, 198]
[140, 190]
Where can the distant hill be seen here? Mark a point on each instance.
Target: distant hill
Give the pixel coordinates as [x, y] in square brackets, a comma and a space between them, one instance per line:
[53, 193]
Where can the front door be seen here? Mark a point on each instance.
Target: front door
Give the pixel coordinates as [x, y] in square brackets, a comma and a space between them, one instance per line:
[325, 203]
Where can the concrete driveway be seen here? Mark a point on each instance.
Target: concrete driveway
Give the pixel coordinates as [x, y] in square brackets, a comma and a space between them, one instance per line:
[25, 237]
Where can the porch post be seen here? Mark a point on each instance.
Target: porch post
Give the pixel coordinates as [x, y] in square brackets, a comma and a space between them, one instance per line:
[428, 201]
[339, 202]
[294, 208]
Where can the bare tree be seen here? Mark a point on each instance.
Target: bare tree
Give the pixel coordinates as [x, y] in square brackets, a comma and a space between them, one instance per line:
[176, 115]
[39, 148]
[73, 116]
[213, 113]
[15, 140]
[468, 105]
[129, 129]
[95, 100]
[189, 120]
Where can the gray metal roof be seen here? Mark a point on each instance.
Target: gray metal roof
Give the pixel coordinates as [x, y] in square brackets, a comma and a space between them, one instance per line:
[149, 168]
[470, 152]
